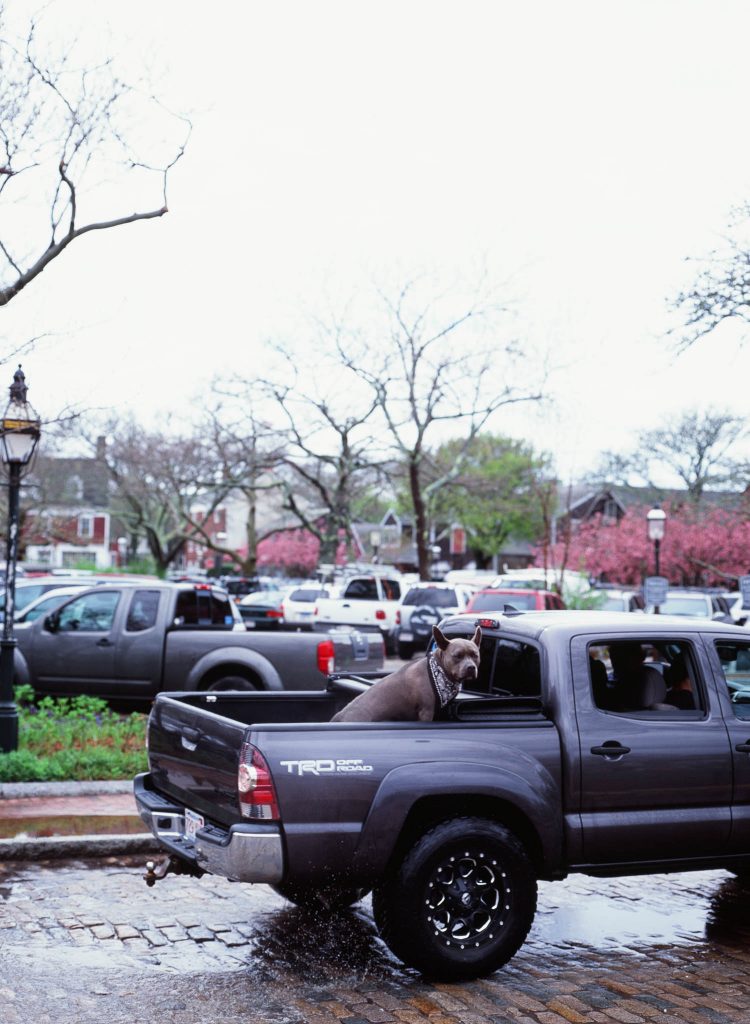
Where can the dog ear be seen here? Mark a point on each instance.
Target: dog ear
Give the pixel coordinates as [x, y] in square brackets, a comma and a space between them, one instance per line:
[477, 636]
[440, 640]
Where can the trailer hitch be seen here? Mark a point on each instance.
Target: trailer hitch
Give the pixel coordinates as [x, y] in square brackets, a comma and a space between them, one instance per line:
[172, 865]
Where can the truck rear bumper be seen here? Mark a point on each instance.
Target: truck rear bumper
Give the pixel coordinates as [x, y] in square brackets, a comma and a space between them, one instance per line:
[243, 853]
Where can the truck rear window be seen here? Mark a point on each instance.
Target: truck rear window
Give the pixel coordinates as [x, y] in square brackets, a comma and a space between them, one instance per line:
[203, 608]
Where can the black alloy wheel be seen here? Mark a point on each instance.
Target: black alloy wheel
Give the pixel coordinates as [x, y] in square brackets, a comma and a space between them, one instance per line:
[461, 902]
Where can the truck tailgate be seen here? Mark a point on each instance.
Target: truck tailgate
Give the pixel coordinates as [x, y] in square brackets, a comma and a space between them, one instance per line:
[194, 755]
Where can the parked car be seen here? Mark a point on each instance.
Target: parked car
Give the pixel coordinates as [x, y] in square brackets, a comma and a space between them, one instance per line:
[45, 603]
[613, 599]
[737, 609]
[422, 607]
[31, 587]
[299, 604]
[520, 599]
[263, 609]
[696, 604]
[367, 602]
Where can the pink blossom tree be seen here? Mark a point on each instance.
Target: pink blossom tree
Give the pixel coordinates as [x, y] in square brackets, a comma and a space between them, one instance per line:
[710, 548]
[294, 552]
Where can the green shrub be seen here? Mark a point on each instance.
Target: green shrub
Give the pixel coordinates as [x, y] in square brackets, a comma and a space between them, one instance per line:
[70, 738]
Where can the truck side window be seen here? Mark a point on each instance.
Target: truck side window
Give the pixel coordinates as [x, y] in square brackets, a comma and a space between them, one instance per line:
[631, 676]
[92, 613]
[362, 590]
[735, 664]
[517, 670]
[391, 590]
[143, 609]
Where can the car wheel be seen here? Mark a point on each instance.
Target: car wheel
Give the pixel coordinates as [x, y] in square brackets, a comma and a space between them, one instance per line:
[461, 902]
[232, 683]
[405, 651]
[325, 899]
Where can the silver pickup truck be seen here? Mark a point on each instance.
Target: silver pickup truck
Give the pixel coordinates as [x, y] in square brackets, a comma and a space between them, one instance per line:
[129, 641]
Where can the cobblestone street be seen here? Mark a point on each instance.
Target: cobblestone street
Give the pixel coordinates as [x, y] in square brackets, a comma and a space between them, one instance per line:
[90, 942]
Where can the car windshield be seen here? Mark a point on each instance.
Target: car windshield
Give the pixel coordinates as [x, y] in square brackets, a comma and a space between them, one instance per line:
[436, 597]
[307, 595]
[613, 604]
[686, 605]
[495, 602]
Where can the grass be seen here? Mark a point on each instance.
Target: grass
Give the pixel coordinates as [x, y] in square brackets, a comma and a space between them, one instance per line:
[72, 738]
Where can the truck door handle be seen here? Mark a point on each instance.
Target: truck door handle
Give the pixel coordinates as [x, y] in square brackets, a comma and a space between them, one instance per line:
[104, 642]
[612, 748]
[346, 605]
[743, 748]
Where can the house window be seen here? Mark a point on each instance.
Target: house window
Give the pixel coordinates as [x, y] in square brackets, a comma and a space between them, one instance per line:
[85, 526]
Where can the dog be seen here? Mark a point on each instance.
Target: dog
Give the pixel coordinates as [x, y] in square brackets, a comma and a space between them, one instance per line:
[417, 691]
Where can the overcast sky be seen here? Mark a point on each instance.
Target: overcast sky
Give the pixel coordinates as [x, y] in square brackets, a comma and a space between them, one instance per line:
[582, 150]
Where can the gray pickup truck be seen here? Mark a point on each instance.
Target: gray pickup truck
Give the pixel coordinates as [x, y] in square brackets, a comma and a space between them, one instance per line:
[596, 742]
[128, 641]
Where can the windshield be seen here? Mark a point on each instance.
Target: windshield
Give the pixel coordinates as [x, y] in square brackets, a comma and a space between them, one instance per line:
[436, 597]
[495, 602]
[613, 604]
[697, 606]
[307, 595]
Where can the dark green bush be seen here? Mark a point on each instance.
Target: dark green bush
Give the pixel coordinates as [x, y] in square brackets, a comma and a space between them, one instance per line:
[73, 738]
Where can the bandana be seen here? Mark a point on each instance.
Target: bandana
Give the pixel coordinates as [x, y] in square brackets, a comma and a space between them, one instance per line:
[445, 689]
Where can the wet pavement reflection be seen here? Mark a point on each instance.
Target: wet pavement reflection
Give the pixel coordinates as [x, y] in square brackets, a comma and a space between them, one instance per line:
[89, 941]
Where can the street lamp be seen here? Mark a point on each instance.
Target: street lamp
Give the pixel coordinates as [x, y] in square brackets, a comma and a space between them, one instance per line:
[656, 520]
[19, 434]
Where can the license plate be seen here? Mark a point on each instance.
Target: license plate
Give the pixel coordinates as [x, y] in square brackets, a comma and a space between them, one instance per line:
[193, 822]
[249, 624]
[405, 637]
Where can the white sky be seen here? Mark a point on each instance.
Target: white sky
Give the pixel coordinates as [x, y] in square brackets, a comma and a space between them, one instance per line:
[581, 149]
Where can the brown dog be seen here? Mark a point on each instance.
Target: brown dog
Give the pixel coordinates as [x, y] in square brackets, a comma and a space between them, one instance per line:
[417, 691]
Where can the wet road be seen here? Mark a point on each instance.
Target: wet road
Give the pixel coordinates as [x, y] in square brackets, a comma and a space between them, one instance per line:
[90, 942]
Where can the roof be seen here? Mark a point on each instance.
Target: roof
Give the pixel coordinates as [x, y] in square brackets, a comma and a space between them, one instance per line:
[602, 623]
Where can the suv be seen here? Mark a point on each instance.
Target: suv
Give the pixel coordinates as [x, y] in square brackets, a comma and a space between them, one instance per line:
[614, 599]
[421, 608]
[497, 599]
[696, 604]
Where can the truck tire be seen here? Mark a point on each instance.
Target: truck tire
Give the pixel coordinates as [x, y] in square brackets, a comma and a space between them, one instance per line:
[232, 683]
[461, 902]
[320, 899]
[405, 651]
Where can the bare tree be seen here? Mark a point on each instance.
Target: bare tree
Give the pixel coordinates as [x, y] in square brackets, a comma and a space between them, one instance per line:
[721, 290]
[247, 454]
[331, 452]
[696, 448]
[431, 369]
[69, 145]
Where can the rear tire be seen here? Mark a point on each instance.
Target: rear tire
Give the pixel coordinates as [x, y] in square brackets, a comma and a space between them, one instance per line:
[461, 902]
[231, 683]
[405, 651]
[320, 899]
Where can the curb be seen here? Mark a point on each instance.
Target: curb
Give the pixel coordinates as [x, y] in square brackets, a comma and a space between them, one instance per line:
[87, 787]
[66, 847]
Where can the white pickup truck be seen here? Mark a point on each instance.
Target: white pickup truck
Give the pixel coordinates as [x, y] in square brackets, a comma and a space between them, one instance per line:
[367, 602]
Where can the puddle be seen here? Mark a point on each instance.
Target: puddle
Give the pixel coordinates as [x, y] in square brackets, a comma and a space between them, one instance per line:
[65, 825]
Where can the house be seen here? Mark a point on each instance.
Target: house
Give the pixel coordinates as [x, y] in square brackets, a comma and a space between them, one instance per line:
[69, 524]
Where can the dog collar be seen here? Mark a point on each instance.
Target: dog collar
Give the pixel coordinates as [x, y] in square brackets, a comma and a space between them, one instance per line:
[445, 689]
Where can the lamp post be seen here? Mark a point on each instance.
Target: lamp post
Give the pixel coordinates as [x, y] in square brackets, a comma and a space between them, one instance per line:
[656, 520]
[19, 434]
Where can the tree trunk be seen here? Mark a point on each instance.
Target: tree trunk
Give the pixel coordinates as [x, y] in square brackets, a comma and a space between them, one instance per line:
[420, 522]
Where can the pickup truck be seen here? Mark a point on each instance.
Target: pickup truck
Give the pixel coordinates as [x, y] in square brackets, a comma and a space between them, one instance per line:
[128, 641]
[574, 754]
[367, 602]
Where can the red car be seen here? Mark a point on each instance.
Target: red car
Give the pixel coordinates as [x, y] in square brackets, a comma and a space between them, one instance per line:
[494, 599]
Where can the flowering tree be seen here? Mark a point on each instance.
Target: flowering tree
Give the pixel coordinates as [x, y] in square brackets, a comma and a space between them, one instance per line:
[707, 549]
[294, 552]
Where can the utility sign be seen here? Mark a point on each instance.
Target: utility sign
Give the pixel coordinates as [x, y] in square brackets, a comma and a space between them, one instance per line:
[655, 590]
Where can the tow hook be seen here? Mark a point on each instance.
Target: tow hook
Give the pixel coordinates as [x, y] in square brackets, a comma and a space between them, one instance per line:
[172, 865]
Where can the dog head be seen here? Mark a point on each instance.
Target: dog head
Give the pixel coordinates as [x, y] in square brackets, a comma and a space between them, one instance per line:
[459, 658]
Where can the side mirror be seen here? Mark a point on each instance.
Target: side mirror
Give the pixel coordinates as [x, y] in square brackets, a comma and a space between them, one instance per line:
[52, 623]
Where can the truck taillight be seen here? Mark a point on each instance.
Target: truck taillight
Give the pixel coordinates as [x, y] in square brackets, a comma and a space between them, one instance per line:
[326, 657]
[398, 616]
[380, 614]
[255, 785]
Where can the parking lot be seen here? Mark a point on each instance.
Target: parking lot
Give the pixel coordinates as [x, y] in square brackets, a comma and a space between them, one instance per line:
[89, 941]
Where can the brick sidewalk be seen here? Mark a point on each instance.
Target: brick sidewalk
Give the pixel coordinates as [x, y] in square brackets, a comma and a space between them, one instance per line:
[674, 949]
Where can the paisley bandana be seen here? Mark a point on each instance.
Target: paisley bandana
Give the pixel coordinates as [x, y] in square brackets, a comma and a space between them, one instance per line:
[445, 689]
